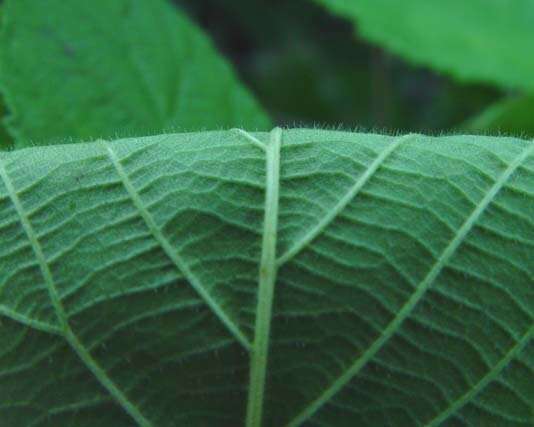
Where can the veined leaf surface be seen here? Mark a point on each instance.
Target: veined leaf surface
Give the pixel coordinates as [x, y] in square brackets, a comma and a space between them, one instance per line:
[84, 70]
[358, 279]
[475, 40]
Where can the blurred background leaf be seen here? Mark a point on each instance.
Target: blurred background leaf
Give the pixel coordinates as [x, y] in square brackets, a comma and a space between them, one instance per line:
[514, 116]
[475, 40]
[5, 139]
[88, 70]
[307, 68]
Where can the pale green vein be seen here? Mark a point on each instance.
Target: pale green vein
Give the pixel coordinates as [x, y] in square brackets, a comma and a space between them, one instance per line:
[31, 323]
[250, 138]
[487, 379]
[180, 264]
[266, 283]
[67, 332]
[420, 291]
[73, 407]
[343, 202]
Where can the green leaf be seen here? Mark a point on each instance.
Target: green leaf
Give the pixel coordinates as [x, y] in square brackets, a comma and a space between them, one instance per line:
[86, 70]
[358, 279]
[475, 40]
[512, 116]
[5, 139]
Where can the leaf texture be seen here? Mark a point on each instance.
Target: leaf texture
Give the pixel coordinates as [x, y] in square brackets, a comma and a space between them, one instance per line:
[475, 40]
[292, 278]
[82, 71]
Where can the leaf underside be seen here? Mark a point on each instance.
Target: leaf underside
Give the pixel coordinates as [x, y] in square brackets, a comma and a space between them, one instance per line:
[403, 291]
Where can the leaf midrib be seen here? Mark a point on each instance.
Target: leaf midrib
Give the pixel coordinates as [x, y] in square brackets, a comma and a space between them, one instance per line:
[266, 281]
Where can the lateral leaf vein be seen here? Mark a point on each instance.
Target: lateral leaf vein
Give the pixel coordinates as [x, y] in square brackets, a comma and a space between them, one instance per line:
[487, 379]
[67, 332]
[344, 201]
[420, 291]
[177, 260]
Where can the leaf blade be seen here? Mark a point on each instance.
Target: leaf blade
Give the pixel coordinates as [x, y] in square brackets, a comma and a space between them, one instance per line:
[466, 343]
[476, 41]
[128, 67]
[168, 249]
[420, 291]
[66, 330]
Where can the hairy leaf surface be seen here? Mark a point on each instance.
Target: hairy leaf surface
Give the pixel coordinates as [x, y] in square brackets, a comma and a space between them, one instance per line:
[476, 40]
[84, 70]
[358, 279]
